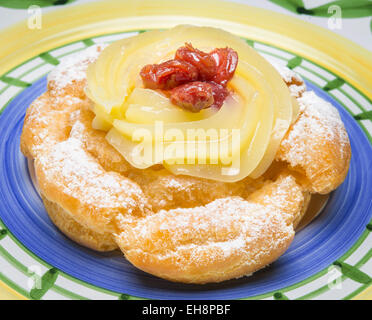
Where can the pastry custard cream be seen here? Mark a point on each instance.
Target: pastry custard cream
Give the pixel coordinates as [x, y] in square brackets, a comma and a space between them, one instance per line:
[237, 140]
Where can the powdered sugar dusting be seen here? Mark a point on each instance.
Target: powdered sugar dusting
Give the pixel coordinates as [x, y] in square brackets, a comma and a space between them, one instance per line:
[286, 196]
[73, 67]
[293, 80]
[77, 173]
[319, 120]
[227, 228]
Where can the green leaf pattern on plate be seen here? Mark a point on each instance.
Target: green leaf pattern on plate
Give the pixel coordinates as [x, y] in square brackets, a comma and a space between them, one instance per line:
[15, 82]
[25, 4]
[364, 116]
[280, 296]
[47, 281]
[353, 273]
[350, 9]
[291, 5]
[3, 233]
[295, 62]
[334, 84]
[46, 56]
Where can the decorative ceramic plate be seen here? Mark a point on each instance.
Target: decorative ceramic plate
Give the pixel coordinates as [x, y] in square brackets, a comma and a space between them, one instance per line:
[328, 259]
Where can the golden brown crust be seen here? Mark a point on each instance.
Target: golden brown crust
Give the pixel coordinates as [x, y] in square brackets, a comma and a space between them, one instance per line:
[289, 198]
[95, 143]
[317, 146]
[70, 176]
[227, 238]
[300, 214]
[40, 129]
[76, 232]
[165, 190]
[177, 227]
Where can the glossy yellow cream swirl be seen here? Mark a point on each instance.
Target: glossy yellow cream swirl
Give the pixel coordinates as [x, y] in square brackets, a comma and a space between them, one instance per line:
[238, 140]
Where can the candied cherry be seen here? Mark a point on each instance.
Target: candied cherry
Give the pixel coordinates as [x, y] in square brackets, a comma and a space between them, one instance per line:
[193, 96]
[226, 61]
[203, 61]
[194, 80]
[220, 93]
[168, 75]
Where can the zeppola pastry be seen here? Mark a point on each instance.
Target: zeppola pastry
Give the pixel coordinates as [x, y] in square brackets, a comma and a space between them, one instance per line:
[185, 149]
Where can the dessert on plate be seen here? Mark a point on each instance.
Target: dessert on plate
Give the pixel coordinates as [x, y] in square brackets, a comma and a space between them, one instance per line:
[185, 149]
